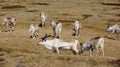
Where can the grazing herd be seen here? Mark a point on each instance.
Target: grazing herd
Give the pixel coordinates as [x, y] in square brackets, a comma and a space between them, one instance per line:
[56, 44]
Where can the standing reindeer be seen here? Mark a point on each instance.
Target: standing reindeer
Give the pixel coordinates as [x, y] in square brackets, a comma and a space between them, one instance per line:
[42, 19]
[93, 43]
[57, 28]
[33, 31]
[76, 27]
[53, 24]
[8, 24]
[56, 44]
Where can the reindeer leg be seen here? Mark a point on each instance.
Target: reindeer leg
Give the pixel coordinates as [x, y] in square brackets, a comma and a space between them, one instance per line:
[102, 51]
[12, 28]
[75, 33]
[97, 51]
[109, 34]
[79, 32]
[90, 52]
[57, 50]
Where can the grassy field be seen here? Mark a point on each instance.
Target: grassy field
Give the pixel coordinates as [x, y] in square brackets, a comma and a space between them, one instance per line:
[17, 50]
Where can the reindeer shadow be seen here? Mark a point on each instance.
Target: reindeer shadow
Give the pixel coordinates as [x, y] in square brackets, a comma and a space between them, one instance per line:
[73, 34]
[40, 25]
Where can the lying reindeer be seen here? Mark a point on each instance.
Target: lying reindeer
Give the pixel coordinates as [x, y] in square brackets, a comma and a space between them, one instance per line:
[57, 44]
[92, 44]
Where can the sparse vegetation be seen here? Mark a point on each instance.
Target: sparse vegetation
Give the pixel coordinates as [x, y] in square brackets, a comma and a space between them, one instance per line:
[17, 50]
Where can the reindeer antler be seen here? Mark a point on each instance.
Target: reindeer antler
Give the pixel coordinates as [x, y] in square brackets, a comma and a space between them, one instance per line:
[46, 36]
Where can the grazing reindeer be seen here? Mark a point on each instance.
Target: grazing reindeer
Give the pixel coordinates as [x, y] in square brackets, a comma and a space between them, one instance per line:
[76, 28]
[8, 24]
[57, 44]
[33, 31]
[92, 44]
[42, 19]
[114, 29]
[58, 30]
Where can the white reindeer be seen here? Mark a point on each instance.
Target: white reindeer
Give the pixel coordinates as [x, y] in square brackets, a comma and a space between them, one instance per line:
[114, 29]
[42, 19]
[58, 30]
[33, 31]
[8, 24]
[53, 24]
[92, 44]
[57, 44]
[76, 27]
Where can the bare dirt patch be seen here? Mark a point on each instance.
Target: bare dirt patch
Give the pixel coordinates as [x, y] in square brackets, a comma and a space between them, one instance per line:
[2, 14]
[12, 6]
[111, 4]
[40, 3]
[85, 16]
[113, 20]
[31, 10]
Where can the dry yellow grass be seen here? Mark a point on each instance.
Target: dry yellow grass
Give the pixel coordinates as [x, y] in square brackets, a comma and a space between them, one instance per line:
[16, 50]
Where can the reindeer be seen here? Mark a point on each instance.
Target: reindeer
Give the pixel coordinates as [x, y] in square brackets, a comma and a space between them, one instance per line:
[33, 31]
[76, 27]
[114, 29]
[8, 24]
[53, 24]
[57, 28]
[42, 19]
[93, 43]
[56, 44]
